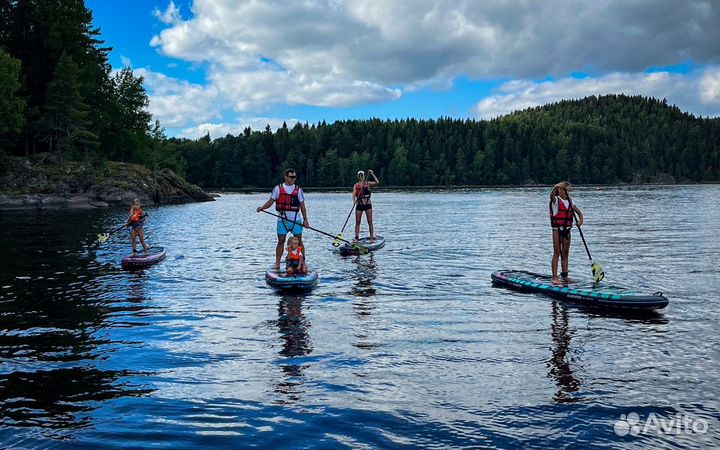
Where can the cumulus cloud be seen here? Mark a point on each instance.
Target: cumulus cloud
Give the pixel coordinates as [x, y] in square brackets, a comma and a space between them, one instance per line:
[396, 42]
[171, 15]
[217, 130]
[698, 93]
[176, 103]
[332, 53]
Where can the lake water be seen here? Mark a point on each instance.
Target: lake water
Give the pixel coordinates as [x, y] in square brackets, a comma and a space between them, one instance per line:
[411, 347]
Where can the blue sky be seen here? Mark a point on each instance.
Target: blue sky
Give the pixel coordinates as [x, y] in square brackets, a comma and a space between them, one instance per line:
[219, 65]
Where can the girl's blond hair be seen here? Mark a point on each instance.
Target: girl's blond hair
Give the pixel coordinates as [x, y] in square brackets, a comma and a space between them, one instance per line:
[560, 185]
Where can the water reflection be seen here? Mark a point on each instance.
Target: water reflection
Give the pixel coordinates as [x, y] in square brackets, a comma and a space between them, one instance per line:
[293, 328]
[57, 310]
[561, 363]
[364, 297]
[363, 275]
[60, 398]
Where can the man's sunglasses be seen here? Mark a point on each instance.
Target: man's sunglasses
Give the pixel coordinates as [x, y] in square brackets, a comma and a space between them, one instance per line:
[291, 176]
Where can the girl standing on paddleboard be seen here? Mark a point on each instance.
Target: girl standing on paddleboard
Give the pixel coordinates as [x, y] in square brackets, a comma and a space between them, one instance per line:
[562, 212]
[136, 219]
[361, 199]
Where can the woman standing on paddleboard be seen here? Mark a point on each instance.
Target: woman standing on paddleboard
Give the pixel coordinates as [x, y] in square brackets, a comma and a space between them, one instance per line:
[289, 202]
[562, 212]
[361, 199]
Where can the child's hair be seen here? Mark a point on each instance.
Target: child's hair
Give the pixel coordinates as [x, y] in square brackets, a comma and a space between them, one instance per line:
[560, 185]
[293, 239]
[137, 200]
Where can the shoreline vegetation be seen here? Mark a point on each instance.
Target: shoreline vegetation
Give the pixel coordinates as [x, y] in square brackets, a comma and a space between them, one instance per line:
[63, 107]
[463, 187]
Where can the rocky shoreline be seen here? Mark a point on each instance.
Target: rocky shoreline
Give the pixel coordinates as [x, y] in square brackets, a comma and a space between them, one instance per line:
[26, 184]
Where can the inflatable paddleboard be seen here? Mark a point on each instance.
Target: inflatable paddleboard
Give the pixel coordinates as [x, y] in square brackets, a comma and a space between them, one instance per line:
[347, 249]
[279, 279]
[141, 260]
[582, 293]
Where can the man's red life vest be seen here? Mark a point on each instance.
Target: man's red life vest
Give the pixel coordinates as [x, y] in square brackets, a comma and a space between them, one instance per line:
[294, 255]
[137, 216]
[362, 191]
[288, 202]
[564, 216]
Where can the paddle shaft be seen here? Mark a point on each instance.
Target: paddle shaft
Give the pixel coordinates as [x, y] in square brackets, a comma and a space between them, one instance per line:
[582, 236]
[310, 228]
[348, 218]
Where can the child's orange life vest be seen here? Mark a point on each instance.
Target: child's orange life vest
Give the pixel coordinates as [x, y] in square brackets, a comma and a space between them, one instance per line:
[137, 215]
[294, 255]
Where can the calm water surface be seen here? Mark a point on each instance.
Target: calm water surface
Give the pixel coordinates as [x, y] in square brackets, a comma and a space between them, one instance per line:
[410, 347]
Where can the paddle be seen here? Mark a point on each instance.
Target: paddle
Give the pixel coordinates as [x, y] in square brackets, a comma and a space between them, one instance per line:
[595, 267]
[102, 237]
[339, 236]
[363, 250]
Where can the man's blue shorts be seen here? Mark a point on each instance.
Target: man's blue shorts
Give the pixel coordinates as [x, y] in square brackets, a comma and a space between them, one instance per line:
[286, 226]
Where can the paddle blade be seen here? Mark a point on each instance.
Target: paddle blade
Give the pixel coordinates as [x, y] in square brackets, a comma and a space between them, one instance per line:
[338, 240]
[363, 250]
[102, 237]
[597, 271]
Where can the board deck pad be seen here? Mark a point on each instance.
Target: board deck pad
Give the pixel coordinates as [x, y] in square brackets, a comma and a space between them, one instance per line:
[142, 259]
[278, 278]
[584, 293]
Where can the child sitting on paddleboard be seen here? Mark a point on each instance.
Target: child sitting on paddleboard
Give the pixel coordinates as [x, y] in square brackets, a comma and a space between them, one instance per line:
[562, 212]
[295, 261]
[136, 220]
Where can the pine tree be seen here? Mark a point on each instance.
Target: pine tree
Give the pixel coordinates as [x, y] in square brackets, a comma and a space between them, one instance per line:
[64, 120]
[11, 105]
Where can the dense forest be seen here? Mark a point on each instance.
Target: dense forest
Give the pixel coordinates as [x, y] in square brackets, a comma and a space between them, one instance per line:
[608, 139]
[59, 96]
[58, 93]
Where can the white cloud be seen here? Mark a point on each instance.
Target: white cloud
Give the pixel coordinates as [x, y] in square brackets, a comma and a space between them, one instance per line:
[396, 42]
[217, 130]
[171, 15]
[125, 61]
[332, 53]
[177, 103]
[698, 93]
[710, 87]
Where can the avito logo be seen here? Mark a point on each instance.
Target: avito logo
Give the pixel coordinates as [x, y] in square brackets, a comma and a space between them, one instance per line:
[655, 424]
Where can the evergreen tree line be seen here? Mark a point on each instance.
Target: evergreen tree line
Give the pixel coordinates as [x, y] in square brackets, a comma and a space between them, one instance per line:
[606, 139]
[58, 93]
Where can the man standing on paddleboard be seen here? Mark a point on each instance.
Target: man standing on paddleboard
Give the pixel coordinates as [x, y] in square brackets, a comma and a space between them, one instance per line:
[289, 202]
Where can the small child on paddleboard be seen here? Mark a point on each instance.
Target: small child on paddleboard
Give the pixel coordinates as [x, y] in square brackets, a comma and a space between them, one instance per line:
[136, 220]
[562, 212]
[295, 261]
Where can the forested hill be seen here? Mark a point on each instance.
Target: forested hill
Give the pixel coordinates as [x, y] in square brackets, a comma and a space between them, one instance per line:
[60, 101]
[607, 139]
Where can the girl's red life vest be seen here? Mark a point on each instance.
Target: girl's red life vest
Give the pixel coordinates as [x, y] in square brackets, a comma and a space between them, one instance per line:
[137, 216]
[294, 255]
[362, 191]
[564, 216]
[288, 202]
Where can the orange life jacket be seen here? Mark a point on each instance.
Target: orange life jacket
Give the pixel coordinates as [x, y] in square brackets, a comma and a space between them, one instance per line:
[294, 255]
[137, 216]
